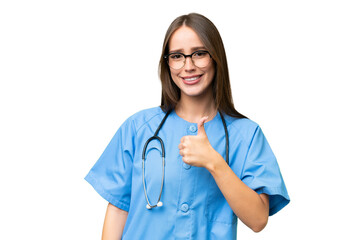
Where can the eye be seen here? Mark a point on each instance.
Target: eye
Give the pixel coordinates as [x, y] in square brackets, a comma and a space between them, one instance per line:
[200, 54]
[175, 56]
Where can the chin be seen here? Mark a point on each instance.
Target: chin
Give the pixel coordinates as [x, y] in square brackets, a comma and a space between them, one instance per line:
[195, 92]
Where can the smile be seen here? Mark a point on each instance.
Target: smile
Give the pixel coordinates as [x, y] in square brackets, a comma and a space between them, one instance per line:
[191, 79]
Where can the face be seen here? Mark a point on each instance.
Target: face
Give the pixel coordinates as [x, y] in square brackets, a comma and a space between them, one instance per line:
[192, 80]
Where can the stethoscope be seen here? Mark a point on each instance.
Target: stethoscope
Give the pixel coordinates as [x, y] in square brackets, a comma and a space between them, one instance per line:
[156, 137]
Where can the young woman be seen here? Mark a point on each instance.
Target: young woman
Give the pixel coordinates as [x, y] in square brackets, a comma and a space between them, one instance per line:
[189, 168]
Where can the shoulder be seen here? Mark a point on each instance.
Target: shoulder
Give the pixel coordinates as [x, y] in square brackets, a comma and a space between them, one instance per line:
[241, 127]
[143, 117]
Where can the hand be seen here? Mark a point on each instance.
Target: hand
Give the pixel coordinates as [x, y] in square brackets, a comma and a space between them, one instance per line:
[197, 150]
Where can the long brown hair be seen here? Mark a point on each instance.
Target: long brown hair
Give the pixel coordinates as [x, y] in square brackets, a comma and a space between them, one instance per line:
[212, 41]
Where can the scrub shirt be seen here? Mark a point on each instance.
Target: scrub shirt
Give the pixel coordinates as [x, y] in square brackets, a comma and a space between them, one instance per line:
[193, 206]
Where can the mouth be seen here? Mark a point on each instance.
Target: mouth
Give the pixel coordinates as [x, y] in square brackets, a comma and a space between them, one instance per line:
[190, 80]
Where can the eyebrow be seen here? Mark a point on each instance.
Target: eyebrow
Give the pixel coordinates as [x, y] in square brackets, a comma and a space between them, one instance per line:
[192, 49]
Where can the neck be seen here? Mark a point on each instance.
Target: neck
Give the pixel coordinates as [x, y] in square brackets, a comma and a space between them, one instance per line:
[192, 109]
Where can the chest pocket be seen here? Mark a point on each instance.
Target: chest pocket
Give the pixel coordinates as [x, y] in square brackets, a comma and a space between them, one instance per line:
[217, 208]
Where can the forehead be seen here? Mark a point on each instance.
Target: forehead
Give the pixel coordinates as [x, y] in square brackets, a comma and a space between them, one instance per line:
[184, 39]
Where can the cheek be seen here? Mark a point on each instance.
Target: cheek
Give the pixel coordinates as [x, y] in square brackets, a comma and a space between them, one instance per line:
[174, 77]
[172, 74]
[211, 73]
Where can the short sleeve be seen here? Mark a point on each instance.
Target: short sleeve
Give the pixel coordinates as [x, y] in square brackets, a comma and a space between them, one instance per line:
[261, 172]
[111, 174]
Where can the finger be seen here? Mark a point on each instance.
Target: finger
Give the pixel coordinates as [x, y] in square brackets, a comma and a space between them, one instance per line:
[184, 139]
[184, 151]
[181, 146]
[201, 129]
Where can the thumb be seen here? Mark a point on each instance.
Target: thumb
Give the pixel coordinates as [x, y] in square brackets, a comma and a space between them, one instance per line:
[201, 129]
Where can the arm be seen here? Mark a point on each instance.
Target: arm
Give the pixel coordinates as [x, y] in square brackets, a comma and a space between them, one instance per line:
[114, 223]
[251, 208]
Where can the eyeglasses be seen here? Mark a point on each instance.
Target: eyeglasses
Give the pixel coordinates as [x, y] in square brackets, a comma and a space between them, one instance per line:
[199, 58]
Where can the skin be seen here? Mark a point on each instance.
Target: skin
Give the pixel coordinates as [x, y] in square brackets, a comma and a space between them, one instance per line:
[114, 223]
[197, 105]
[196, 102]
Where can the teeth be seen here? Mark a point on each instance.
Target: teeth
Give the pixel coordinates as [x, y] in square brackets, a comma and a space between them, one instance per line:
[191, 79]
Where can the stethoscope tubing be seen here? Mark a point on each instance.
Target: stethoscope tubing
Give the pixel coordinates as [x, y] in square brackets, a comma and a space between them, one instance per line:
[226, 137]
[155, 137]
[158, 204]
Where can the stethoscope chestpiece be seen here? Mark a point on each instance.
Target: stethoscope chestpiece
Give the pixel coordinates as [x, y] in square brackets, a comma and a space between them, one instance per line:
[155, 137]
[159, 204]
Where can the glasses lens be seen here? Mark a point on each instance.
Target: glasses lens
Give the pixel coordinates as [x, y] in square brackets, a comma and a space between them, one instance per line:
[176, 60]
[200, 58]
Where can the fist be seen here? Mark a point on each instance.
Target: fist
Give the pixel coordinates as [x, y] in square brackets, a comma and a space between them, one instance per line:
[196, 150]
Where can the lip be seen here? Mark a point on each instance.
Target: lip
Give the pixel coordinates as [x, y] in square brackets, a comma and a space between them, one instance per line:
[191, 82]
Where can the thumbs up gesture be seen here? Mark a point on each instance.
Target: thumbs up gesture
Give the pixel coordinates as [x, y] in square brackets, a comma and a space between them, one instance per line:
[197, 150]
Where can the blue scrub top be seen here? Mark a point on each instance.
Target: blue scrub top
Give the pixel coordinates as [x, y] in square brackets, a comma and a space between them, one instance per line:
[194, 207]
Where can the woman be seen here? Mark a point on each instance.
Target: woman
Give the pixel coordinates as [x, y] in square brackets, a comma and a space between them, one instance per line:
[218, 165]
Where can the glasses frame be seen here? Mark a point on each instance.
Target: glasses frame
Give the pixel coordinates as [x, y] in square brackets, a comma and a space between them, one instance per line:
[185, 56]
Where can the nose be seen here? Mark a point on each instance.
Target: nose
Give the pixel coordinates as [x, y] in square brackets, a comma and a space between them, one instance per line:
[189, 65]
